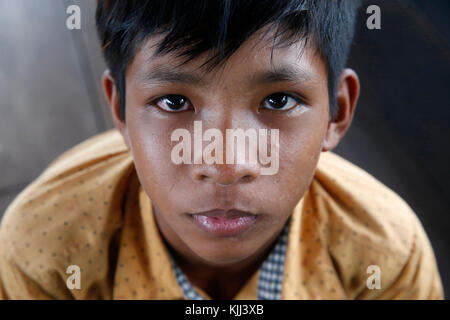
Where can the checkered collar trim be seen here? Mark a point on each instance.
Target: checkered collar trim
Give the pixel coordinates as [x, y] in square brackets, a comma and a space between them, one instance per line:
[270, 280]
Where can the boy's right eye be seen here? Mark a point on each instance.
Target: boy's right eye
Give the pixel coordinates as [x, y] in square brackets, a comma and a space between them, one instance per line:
[173, 103]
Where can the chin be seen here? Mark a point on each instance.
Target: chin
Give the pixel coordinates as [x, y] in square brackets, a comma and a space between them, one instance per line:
[222, 259]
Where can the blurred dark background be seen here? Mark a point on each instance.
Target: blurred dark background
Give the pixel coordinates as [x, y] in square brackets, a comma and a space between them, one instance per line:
[51, 99]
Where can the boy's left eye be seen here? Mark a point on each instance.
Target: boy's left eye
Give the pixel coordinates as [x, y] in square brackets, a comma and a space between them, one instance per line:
[281, 101]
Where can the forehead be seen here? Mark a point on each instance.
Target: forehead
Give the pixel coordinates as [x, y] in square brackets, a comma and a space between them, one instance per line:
[257, 54]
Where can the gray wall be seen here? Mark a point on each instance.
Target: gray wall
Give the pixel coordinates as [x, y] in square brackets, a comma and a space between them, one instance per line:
[50, 95]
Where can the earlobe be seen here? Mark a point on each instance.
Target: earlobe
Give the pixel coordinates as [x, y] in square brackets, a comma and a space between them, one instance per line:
[347, 98]
[112, 97]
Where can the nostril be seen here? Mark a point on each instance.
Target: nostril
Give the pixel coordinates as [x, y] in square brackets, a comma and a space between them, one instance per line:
[203, 178]
[231, 181]
[224, 176]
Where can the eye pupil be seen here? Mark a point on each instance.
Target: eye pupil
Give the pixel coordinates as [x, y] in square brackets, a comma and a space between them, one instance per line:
[278, 100]
[175, 102]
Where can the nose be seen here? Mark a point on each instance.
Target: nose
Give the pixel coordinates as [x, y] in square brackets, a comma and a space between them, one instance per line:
[226, 174]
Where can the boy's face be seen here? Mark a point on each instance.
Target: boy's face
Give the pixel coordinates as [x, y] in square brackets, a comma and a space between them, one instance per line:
[233, 97]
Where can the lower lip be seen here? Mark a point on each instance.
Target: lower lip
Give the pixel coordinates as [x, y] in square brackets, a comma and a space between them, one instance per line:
[224, 227]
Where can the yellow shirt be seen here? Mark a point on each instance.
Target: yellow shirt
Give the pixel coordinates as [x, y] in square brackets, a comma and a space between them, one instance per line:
[88, 209]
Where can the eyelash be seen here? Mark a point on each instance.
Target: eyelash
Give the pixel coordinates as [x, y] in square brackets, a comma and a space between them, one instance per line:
[299, 101]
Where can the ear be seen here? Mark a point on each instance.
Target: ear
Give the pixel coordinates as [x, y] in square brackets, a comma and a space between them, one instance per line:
[347, 98]
[112, 96]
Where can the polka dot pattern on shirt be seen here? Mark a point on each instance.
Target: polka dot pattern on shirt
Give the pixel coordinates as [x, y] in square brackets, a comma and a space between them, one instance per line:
[88, 209]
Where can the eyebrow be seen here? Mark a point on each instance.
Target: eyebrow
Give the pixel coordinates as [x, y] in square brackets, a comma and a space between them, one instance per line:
[280, 74]
[166, 74]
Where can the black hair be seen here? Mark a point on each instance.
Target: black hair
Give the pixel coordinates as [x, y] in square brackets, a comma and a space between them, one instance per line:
[192, 27]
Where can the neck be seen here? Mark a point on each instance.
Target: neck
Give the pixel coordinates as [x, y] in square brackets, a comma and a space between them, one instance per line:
[221, 282]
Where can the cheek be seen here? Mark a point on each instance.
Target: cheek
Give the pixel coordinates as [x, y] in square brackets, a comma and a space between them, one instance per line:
[151, 148]
[300, 148]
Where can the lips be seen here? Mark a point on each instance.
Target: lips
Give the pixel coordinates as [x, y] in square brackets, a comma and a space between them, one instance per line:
[224, 223]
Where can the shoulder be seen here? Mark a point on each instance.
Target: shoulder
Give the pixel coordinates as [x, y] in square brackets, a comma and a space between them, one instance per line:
[369, 225]
[71, 210]
[363, 203]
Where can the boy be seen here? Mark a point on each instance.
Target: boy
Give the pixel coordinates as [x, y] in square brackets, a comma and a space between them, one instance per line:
[143, 217]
